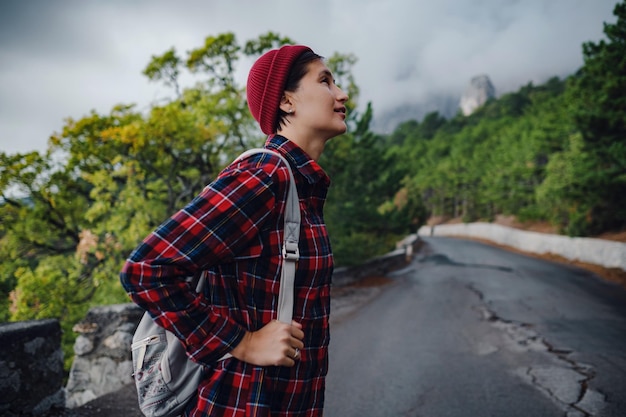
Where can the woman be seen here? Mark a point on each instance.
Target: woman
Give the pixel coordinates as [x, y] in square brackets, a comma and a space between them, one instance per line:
[233, 230]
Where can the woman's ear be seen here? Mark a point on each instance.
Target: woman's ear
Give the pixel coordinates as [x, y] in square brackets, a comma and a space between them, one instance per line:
[286, 104]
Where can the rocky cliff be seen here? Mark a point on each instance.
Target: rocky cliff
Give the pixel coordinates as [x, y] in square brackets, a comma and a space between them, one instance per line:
[479, 90]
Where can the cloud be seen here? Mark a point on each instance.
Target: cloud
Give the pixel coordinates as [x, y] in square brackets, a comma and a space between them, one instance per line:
[63, 58]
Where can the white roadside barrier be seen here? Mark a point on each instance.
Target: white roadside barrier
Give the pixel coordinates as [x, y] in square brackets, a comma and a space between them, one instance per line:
[606, 253]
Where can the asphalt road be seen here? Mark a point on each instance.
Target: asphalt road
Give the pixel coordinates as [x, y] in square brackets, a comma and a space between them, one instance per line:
[474, 331]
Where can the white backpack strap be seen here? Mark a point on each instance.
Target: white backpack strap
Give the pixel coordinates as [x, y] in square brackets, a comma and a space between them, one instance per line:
[290, 240]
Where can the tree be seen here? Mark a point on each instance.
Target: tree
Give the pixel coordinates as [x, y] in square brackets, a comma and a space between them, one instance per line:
[491, 162]
[599, 106]
[165, 68]
[563, 195]
[368, 207]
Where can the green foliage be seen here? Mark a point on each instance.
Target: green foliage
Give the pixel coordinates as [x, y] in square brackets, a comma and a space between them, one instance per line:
[57, 288]
[165, 68]
[563, 193]
[516, 155]
[599, 107]
[368, 209]
[265, 42]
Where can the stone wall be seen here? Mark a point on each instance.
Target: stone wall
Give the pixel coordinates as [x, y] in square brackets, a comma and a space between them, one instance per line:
[102, 361]
[31, 368]
[600, 252]
[380, 265]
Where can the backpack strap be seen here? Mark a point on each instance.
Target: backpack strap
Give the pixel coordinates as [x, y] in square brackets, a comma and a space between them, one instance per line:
[291, 238]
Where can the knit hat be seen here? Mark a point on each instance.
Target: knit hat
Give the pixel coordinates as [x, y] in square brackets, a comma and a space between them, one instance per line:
[266, 84]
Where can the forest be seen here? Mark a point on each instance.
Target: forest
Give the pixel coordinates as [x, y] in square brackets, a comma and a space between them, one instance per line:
[70, 216]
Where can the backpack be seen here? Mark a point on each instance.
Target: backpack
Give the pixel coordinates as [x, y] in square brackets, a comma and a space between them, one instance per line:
[165, 378]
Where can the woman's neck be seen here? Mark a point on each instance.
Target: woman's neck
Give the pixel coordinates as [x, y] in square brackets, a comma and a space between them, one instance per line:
[312, 145]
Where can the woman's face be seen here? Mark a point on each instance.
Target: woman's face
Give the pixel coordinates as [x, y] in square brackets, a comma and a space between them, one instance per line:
[318, 103]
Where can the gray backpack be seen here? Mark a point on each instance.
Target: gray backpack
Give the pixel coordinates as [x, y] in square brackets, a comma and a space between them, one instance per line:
[165, 378]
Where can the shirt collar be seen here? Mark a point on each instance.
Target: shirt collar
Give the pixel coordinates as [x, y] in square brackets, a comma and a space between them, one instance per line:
[311, 170]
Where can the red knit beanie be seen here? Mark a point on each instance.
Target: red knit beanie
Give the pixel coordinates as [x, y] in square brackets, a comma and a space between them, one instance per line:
[266, 84]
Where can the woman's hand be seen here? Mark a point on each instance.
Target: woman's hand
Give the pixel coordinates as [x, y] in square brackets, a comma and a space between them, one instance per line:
[275, 344]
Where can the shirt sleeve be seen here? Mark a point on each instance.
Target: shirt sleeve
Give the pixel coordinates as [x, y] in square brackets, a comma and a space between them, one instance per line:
[218, 222]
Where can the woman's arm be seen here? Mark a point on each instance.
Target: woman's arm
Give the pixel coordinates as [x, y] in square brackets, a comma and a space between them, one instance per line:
[211, 229]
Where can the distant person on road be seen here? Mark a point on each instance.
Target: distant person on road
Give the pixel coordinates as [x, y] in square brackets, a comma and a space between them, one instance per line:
[233, 230]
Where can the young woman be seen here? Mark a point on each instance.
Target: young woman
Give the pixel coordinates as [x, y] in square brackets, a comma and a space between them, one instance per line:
[233, 232]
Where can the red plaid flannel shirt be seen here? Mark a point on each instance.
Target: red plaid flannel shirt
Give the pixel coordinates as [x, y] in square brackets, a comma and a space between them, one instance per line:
[233, 230]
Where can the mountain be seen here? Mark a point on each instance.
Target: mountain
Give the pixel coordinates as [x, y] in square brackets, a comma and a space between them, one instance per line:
[479, 90]
[387, 120]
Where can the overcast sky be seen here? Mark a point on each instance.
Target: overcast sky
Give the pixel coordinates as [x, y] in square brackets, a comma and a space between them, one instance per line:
[63, 58]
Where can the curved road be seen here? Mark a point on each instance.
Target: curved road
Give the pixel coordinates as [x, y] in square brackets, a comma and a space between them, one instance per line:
[469, 330]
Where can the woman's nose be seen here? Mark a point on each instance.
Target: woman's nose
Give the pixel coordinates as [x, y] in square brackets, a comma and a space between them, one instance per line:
[341, 95]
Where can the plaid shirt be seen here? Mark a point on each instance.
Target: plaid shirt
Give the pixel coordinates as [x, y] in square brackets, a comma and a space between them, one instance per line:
[233, 231]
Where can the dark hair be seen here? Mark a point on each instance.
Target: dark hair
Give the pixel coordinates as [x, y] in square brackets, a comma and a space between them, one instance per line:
[296, 73]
